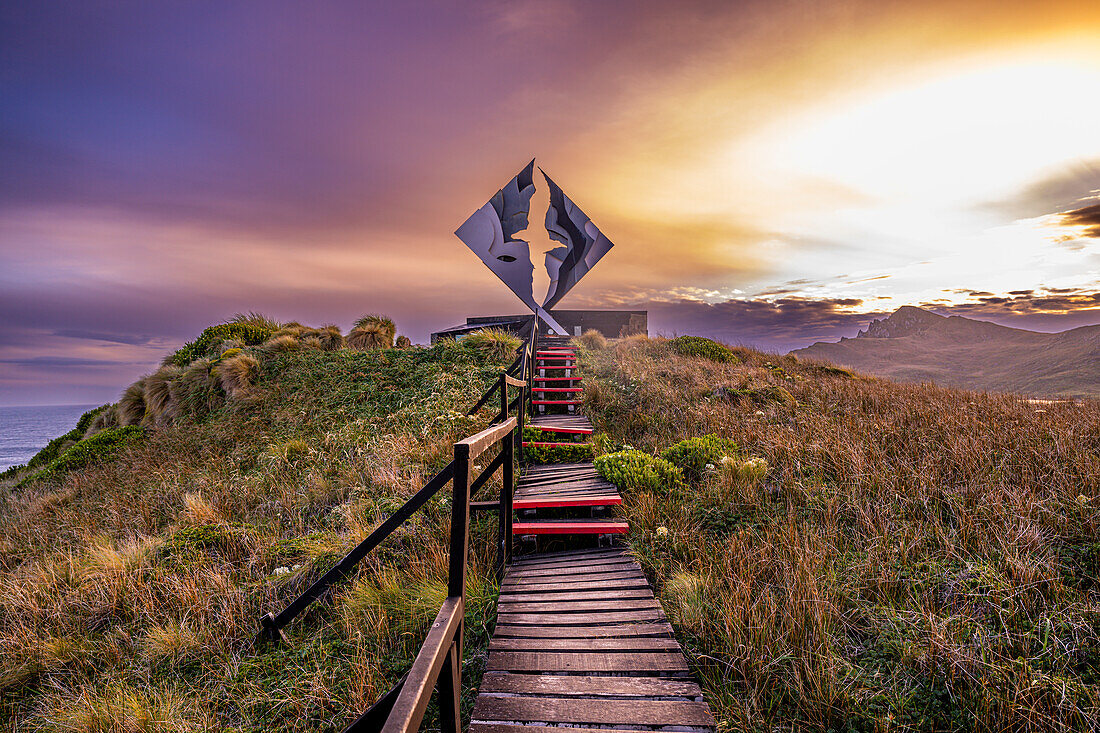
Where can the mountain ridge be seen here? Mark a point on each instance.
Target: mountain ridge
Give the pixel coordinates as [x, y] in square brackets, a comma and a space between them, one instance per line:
[916, 345]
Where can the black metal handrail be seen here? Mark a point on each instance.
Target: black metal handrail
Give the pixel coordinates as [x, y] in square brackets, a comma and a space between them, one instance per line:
[438, 663]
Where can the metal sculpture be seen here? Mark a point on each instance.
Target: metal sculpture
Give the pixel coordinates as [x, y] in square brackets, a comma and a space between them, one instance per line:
[490, 234]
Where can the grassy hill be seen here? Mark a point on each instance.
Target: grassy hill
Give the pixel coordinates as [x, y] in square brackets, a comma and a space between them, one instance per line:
[915, 345]
[915, 558]
[841, 553]
[131, 587]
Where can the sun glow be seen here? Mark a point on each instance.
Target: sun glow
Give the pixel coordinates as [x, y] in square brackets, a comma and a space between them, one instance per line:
[956, 139]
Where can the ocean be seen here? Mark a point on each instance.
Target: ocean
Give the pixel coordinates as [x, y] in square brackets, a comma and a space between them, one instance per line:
[25, 430]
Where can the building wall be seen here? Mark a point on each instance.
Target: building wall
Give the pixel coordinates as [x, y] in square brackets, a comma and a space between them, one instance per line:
[611, 324]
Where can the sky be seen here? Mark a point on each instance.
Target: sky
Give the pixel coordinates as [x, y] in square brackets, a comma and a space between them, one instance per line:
[772, 173]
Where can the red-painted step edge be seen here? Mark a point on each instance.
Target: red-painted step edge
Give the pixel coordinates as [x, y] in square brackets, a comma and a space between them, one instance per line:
[557, 379]
[539, 444]
[551, 503]
[569, 528]
[557, 389]
[575, 431]
[557, 402]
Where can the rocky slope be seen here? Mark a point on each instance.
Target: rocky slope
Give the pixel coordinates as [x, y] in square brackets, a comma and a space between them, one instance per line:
[916, 345]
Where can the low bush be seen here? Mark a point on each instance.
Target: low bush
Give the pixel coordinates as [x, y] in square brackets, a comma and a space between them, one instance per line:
[703, 348]
[498, 342]
[88, 451]
[634, 470]
[247, 333]
[566, 453]
[692, 455]
[591, 339]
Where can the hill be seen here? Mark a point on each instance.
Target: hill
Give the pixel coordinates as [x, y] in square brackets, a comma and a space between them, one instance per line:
[845, 553]
[916, 345]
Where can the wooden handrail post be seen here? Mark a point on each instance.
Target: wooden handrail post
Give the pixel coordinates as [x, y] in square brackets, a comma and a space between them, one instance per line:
[504, 521]
[460, 522]
[449, 688]
[502, 385]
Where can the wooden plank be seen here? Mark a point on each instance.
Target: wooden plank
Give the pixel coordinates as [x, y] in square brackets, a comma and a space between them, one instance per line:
[617, 604]
[580, 619]
[593, 594]
[638, 581]
[495, 727]
[577, 578]
[552, 527]
[595, 712]
[575, 685]
[570, 563]
[657, 628]
[648, 662]
[550, 502]
[529, 560]
[620, 644]
[609, 566]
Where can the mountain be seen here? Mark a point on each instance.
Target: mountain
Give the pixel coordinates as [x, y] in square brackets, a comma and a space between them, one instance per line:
[916, 345]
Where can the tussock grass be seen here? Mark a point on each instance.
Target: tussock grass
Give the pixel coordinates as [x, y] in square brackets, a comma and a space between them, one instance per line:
[132, 586]
[877, 556]
[591, 339]
[502, 344]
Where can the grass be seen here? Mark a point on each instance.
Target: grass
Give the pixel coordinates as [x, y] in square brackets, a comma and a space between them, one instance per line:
[845, 554]
[132, 584]
[874, 556]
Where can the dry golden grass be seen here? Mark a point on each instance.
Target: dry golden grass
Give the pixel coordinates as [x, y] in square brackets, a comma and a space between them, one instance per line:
[898, 557]
[131, 589]
[591, 339]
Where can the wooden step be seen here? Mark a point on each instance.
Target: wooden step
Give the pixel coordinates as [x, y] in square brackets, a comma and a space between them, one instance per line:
[557, 389]
[569, 527]
[567, 502]
[557, 402]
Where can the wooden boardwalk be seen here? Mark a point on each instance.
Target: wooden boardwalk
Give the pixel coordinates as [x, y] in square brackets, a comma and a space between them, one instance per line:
[581, 642]
[564, 485]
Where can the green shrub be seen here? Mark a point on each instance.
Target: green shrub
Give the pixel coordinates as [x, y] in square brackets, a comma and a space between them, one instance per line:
[591, 339]
[570, 453]
[703, 348]
[91, 450]
[550, 436]
[634, 470]
[500, 343]
[693, 454]
[247, 333]
[85, 420]
[55, 446]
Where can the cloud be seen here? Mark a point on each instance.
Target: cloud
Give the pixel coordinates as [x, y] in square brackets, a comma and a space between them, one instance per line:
[784, 324]
[774, 325]
[1087, 217]
[64, 362]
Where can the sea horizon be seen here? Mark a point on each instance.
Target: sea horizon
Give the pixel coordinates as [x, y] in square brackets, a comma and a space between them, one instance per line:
[26, 429]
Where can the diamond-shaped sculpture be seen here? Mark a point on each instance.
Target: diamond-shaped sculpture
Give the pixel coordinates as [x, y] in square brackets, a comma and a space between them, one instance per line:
[490, 234]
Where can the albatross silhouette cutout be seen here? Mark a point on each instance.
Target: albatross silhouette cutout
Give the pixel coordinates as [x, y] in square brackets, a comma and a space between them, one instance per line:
[490, 234]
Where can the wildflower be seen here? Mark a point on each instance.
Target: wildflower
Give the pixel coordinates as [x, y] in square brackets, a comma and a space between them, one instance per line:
[282, 571]
[1082, 499]
[760, 413]
[726, 460]
[662, 531]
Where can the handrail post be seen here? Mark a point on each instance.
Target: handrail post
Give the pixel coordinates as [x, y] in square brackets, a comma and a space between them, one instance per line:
[502, 385]
[449, 688]
[460, 520]
[504, 522]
